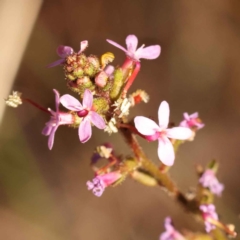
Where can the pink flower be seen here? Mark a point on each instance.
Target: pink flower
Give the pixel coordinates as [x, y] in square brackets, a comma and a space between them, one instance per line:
[84, 111]
[65, 51]
[57, 119]
[208, 213]
[153, 132]
[171, 233]
[192, 121]
[209, 180]
[100, 182]
[150, 52]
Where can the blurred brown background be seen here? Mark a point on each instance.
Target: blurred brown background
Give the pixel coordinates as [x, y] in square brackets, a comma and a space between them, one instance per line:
[43, 193]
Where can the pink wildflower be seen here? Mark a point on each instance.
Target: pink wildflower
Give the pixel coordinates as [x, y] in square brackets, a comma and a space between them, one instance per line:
[100, 182]
[208, 213]
[84, 111]
[65, 51]
[171, 233]
[57, 119]
[150, 52]
[192, 121]
[209, 180]
[153, 132]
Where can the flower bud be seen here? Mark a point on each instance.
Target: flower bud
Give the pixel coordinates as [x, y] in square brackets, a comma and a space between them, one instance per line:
[81, 60]
[117, 84]
[92, 66]
[14, 100]
[77, 72]
[101, 79]
[100, 105]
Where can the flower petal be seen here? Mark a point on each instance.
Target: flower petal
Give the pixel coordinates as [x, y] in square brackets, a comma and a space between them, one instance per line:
[163, 114]
[97, 120]
[165, 151]
[151, 52]
[57, 99]
[87, 99]
[56, 63]
[51, 137]
[117, 45]
[47, 130]
[70, 103]
[83, 46]
[131, 42]
[181, 133]
[194, 115]
[145, 125]
[85, 130]
[64, 51]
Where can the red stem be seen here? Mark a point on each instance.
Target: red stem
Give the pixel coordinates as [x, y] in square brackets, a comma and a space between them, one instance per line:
[131, 79]
[35, 105]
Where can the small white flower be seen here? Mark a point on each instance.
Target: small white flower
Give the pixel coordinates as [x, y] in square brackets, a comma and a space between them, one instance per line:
[104, 152]
[111, 126]
[14, 100]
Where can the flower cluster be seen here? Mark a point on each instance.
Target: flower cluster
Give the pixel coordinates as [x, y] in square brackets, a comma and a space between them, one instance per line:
[209, 215]
[102, 100]
[209, 180]
[170, 232]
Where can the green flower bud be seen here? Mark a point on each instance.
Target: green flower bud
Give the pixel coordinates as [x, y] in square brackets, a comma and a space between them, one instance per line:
[117, 84]
[78, 72]
[94, 61]
[100, 105]
[81, 60]
[92, 66]
[89, 70]
[70, 77]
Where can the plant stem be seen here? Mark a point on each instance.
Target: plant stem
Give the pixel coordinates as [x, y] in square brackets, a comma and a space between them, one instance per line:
[35, 105]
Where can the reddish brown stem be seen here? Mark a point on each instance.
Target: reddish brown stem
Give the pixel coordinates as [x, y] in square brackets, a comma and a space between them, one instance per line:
[35, 105]
[132, 128]
[131, 79]
[104, 169]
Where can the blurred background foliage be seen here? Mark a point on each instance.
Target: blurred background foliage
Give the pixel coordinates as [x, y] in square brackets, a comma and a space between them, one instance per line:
[43, 193]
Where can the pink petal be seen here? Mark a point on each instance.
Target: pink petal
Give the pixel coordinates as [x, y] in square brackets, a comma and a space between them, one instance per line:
[85, 130]
[57, 99]
[71, 103]
[165, 151]
[186, 116]
[131, 42]
[83, 46]
[90, 185]
[163, 114]
[64, 51]
[194, 115]
[87, 99]
[117, 45]
[145, 125]
[51, 137]
[151, 52]
[97, 120]
[181, 133]
[56, 63]
[203, 208]
[47, 130]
